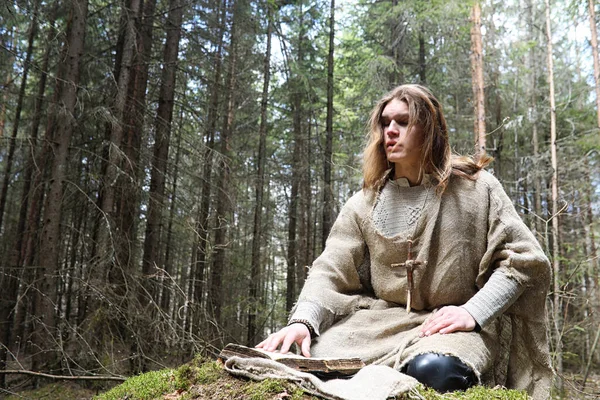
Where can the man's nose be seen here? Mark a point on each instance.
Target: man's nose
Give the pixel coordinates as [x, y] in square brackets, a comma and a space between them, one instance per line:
[393, 129]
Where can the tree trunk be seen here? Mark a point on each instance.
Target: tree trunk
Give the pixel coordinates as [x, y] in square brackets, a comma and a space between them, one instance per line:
[594, 43]
[327, 155]
[7, 83]
[590, 237]
[199, 266]
[128, 192]
[558, 365]
[494, 100]
[45, 330]
[108, 236]
[477, 79]
[533, 119]
[255, 273]
[28, 191]
[129, 196]
[224, 206]
[161, 144]
[297, 110]
[593, 295]
[15, 128]
[304, 246]
[8, 296]
[31, 194]
[290, 297]
[422, 63]
[166, 292]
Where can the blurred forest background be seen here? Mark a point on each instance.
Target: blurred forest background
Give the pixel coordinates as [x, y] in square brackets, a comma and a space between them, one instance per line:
[170, 168]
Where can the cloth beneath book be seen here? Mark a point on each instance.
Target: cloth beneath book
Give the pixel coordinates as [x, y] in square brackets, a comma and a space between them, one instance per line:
[374, 382]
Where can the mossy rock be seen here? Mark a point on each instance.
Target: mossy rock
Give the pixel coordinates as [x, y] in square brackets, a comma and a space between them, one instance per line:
[198, 380]
[203, 380]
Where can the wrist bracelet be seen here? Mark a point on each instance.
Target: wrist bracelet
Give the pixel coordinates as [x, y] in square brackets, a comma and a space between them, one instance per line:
[304, 322]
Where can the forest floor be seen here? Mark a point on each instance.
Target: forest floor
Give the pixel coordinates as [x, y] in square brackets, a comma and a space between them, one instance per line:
[207, 380]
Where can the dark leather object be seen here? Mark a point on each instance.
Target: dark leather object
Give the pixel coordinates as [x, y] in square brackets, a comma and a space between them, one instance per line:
[440, 372]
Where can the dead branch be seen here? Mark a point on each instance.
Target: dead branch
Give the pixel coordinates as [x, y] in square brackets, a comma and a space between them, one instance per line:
[65, 377]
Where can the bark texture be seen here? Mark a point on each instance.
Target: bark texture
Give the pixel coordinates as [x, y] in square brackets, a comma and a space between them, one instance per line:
[46, 329]
[477, 80]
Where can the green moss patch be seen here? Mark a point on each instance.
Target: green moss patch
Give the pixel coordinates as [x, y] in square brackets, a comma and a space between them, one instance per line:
[474, 393]
[208, 372]
[269, 387]
[148, 386]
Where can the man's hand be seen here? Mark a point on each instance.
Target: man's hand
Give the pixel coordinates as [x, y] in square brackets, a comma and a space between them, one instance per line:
[447, 320]
[294, 333]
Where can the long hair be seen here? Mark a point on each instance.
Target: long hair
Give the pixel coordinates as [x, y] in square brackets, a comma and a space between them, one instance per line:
[425, 110]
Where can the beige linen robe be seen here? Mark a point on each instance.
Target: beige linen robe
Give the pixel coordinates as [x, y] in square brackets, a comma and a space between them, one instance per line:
[464, 235]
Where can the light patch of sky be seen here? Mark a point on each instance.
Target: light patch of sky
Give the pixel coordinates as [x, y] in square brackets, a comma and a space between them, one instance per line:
[563, 24]
[582, 33]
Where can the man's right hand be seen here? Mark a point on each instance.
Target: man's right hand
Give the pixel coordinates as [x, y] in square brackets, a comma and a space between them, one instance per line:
[294, 333]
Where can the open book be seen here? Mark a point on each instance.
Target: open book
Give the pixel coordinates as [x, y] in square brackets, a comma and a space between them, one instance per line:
[322, 367]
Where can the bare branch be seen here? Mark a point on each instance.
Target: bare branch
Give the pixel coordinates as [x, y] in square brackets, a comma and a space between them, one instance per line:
[65, 377]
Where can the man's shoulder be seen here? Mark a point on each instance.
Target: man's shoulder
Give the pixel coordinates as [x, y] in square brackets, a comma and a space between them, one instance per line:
[482, 181]
[488, 179]
[359, 198]
[361, 201]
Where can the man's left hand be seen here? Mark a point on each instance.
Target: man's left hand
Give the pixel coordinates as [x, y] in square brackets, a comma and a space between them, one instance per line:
[447, 320]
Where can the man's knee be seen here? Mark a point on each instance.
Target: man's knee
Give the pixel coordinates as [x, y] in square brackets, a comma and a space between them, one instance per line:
[440, 372]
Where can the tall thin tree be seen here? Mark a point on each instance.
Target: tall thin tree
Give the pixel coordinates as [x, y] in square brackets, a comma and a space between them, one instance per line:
[33, 27]
[255, 272]
[130, 14]
[477, 79]
[46, 328]
[8, 82]
[296, 99]
[224, 205]
[168, 269]
[164, 117]
[557, 319]
[200, 256]
[594, 43]
[533, 113]
[129, 190]
[327, 154]
[8, 297]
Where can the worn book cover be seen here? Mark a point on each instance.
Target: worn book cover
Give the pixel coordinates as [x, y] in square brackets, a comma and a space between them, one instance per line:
[323, 367]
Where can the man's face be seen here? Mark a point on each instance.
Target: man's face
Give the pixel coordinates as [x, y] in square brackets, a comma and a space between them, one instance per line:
[401, 146]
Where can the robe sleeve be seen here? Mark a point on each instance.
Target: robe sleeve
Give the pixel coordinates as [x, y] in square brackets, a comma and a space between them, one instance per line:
[333, 281]
[313, 314]
[498, 293]
[513, 249]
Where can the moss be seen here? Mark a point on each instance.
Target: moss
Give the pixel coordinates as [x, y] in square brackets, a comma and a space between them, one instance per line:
[208, 372]
[269, 387]
[474, 393]
[148, 386]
